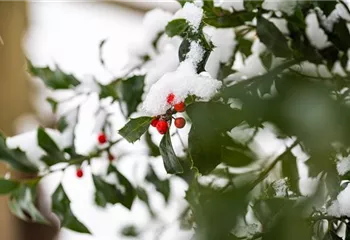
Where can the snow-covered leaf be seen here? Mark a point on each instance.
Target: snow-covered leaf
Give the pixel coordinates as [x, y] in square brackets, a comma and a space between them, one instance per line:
[61, 207]
[53, 153]
[176, 27]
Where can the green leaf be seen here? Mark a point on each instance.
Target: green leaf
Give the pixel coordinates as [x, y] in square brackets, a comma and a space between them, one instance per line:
[135, 128]
[143, 196]
[210, 122]
[162, 186]
[22, 203]
[130, 91]
[153, 148]
[128, 194]
[176, 27]
[272, 37]
[171, 162]
[16, 158]
[220, 18]
[290, 170]
[7, 186]
[54, 154]
[62, 124]
[251, 5]
[182, 2]
[236, 155]
[347, 233]
[105, 192]
[130, 231]
[61, 207]
[55, 79]
[109, 90]
[266, 59]
[184, 49]
[53, 104]
[245, 46]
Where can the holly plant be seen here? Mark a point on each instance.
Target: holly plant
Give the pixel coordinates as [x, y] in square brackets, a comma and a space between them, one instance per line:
[210, 90]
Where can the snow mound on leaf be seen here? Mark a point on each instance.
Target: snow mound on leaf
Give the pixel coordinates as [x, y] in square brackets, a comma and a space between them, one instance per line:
[192, 13]
[182, 83]
[343, 166]
[341, 206]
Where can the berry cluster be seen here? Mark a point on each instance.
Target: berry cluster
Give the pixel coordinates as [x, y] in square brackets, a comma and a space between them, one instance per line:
[162, 122]
[102, 139]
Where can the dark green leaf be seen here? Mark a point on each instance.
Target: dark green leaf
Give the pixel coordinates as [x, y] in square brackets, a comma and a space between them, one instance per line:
[53, 104]
[55, 79]
[171, 162]
[219, 18]
[176, 27]
[62, 124]
[105, 192]
[210, 122]
[153, 149]
[143, 196]
[182, 2]
[130, 231]
[290, 170]
[15, 157]
[135, 128]
[130, 91]
[236, 155]
[109, 90]
[272, 37]
[347, 233]
[61, 207]
[184, 49]
[266, 59]
[7, 186]
[127, 194]
[22, 203]
[251, 5]
[54, 154]
[245, 46]
[162, 186]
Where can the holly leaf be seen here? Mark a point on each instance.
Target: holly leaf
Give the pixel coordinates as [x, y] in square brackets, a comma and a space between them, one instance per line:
[54, 79]
[61, 207]
[272, 37]
[22, 203]
[153, 148]
[127, 196]
[290, 170]
[53, 153]
[176, 27]
[62, 124]
[130, 91]
[109, 90]
[7, 186]
[53, 103]
[266, 59]
[105, 192]
[251, 5]
[162, 186]
[171, 162]
[220, 18]
[16, 158]
[135, 128]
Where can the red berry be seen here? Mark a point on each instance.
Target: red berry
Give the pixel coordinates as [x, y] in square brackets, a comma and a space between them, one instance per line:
[102, 138]
[170, 98]
[180, 107]
[79, 173]
[180, 122]
[154, 122]
[162, 126]
[110, 157]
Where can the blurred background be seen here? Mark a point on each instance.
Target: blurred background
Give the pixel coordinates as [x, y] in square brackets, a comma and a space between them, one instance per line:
[67, 34]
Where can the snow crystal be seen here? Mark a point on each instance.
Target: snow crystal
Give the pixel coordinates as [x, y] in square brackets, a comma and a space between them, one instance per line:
[280, 187]
[343, 166]
[182, 82]
[196, 53]
[341, 206]
[192, 13]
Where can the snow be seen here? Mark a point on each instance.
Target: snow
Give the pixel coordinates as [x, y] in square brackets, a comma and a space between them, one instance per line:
[285, 6]
[315, 34]
[328, 21]
[343, 166]
[196, 53]
[182, 83]
[224, 42]
[280, 187]
[341, 206]
[228, 5]
[308, 186]
[192, 13]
